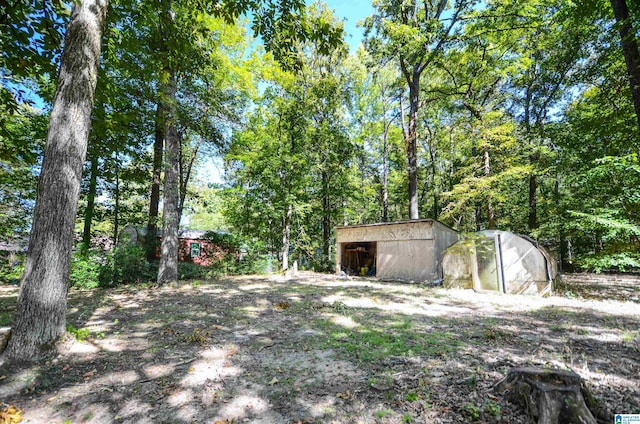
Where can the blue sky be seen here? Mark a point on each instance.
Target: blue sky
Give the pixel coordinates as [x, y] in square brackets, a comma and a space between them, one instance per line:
[351, 11]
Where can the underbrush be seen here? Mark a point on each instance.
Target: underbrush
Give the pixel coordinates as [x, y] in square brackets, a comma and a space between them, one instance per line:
[127, 264]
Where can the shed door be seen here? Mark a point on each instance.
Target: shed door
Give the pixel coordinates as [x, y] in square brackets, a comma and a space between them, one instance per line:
[486, 276]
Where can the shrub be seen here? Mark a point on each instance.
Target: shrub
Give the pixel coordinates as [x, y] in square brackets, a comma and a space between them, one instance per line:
[189, 271]
[86, 266]
[11, 268]
[127, 264]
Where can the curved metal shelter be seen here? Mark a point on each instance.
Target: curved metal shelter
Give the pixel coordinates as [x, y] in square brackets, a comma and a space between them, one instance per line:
[499, 261]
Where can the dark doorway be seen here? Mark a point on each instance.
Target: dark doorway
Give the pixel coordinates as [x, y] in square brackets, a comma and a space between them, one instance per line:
[358, 258]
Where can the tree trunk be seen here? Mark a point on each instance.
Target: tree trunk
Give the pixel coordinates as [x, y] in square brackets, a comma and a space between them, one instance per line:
[116, 197]
[412, 146]
[91, 202]
[385, 172]
[286, 238]
[168, 270]
[326, 216]
[154, 201]
[533, 202]
[41, 311]
[629, 50]
[434, 172]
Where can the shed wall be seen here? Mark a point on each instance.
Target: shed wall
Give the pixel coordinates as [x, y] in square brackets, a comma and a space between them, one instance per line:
[400, 231]
[407, 260]
[405, 250]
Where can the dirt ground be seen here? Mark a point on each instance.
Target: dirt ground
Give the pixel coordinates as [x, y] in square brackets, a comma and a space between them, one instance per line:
[322, 349]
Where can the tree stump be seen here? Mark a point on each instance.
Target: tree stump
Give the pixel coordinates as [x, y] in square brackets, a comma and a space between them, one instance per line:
[551, 396]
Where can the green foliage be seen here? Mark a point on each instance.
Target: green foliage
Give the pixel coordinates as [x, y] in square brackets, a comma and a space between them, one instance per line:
[407, 418]
[81, 334]
[471, 410]
[517, 93]
[127, 264]
[11, 267]
[624, 261]
[382, 413]
[86, 267]
[21, 140]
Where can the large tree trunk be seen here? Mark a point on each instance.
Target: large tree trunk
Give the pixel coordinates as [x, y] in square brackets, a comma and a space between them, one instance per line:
[629, 49]
[154, 201]
[91, 202]
[42, 304]
[412, 144]
[385, 171]
[168, 270]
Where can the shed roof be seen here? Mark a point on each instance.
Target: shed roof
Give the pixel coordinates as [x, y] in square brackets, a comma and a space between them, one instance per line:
[380, 224]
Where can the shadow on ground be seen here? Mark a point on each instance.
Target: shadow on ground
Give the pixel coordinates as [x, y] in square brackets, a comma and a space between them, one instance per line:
[318, 349]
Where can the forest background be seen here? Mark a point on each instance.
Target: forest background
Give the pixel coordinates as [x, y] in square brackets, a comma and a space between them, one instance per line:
[482, 115]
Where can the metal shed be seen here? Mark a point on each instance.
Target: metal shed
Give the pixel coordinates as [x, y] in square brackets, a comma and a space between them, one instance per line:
[409, 250]
[499, 261]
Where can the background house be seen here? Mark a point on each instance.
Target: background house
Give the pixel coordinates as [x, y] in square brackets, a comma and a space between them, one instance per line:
[199, 247]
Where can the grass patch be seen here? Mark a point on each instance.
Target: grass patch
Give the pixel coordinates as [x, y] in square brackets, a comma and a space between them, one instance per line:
[371, 344]
[382, 413]
[5, 318]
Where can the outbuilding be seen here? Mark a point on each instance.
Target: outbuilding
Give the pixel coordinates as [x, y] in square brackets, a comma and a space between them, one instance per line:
[408, 250]
[499, 261]
[198, 247]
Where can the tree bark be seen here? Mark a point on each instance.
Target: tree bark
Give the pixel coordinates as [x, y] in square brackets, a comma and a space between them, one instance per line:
[385, 172]
[154, 201]
[41, 312]
[326, 217]
[91, 202]
[434, 172]
[286, 238]
[412, 144]
[168, 270]
[533, 202]
[116, 197]
[629, 50]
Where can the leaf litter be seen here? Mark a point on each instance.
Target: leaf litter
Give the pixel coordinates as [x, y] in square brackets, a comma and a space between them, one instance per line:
[320, 349]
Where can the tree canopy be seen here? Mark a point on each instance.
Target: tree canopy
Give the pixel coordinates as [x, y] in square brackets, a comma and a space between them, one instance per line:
[521, 117]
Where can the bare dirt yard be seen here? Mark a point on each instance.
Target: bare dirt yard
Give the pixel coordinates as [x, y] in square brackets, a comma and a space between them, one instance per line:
[321, 349]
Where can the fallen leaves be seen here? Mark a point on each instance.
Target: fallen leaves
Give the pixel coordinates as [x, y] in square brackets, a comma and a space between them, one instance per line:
[346, 395]
[281, 306]
[87, 375]
[10, 414]
[197, 336]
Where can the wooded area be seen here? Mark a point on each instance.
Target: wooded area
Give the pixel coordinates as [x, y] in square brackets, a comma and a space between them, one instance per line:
[516, 116]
